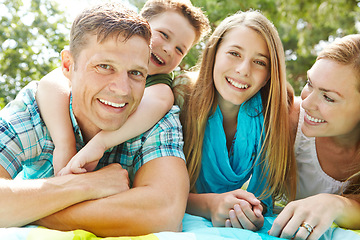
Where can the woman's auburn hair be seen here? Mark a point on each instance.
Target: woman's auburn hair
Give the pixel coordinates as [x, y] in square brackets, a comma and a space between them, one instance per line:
[201, 101]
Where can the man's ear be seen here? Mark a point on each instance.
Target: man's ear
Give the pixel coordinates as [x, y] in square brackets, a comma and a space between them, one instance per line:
[67, 63]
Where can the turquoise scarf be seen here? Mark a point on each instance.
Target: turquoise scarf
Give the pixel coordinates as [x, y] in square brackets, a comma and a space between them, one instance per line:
[223, 172]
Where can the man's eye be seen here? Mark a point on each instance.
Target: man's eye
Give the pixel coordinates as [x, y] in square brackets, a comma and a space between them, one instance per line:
[105, 66]
[136, 73]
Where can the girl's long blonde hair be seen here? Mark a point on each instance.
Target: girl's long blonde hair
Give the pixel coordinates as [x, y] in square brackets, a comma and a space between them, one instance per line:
[201, 102]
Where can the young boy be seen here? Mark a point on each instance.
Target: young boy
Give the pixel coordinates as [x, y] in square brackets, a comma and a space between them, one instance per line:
[176, 27]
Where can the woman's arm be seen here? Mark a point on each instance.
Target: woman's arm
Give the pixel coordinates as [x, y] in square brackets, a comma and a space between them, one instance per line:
[53, 97]
[320, 211]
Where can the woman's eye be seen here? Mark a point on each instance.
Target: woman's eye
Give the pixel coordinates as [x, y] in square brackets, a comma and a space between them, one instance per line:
[308, 83]
[328, 99]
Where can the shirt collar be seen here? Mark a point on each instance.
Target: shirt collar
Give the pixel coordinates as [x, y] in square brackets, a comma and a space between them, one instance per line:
[76, 128]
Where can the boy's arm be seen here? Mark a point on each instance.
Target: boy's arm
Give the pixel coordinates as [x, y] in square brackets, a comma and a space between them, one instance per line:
[53, 96]
[156, 102]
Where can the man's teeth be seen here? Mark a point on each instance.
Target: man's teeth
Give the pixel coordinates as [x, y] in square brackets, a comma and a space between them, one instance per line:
[117, 105]
[236, 84]
[312, 119]
[158, 58]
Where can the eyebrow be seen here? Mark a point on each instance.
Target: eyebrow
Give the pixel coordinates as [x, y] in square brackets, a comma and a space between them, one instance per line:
[137, 67]
[260, 54]
[324, 89]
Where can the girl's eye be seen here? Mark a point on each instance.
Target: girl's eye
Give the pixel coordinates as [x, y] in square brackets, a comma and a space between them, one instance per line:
[260, 63]
[328, 99]
[164, 35]
[234, 54]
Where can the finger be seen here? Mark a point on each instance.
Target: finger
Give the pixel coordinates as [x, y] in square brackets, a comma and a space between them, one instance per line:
[249, 197]
[291, 227]
[244, 220]
[258, 209]
[78, 170]
[280, 222]
[228, 223]
[234, 220]
[302, 234]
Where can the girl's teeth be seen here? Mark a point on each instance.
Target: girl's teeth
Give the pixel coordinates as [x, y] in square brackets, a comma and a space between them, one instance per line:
[312, 119]
[117, 105]
[236, 84]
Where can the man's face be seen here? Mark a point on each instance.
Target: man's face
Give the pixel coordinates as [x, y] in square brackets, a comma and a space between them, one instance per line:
[108, 82]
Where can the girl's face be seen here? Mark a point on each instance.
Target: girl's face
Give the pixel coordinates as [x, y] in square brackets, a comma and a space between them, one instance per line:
[331, 100]
[242, 65]
[172, 38]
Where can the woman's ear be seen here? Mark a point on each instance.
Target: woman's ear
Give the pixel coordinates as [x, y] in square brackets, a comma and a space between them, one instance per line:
[67, 63]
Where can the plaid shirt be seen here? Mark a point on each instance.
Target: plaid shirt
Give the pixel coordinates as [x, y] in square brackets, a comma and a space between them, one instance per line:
[26, 146]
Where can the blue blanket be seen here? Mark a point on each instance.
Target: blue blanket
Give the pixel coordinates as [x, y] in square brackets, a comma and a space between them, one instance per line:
[194, 228]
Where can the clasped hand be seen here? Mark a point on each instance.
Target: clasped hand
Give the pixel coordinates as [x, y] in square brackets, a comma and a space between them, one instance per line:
[238, 209]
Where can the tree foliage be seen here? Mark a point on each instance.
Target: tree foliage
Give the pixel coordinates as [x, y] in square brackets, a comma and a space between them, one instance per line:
[32, 34]
[31, 38]
[304, 27]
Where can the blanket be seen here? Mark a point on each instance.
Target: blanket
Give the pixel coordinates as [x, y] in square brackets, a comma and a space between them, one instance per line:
[194, 228]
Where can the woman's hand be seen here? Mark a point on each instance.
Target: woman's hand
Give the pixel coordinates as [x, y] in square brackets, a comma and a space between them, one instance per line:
[237, 208]
[307, 218]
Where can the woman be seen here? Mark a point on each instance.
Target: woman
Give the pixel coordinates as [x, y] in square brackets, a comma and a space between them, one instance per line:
[327, 146]
[231, 124]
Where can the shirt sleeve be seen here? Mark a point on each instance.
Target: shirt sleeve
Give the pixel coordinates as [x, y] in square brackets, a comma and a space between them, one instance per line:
[164, 139]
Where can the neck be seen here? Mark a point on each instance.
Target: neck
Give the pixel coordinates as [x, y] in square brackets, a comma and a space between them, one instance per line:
[230, 113]
[349, 141]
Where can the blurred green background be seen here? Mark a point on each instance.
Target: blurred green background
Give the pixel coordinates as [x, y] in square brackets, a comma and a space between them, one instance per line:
[33, 32]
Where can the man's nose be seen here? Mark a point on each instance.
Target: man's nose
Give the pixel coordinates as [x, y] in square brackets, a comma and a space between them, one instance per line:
[121, 84]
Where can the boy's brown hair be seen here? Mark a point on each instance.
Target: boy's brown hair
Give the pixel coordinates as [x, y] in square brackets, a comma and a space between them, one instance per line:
[194, 15]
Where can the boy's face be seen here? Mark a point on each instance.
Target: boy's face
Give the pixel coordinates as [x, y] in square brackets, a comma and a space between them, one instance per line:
[108, 82]
[173, 36]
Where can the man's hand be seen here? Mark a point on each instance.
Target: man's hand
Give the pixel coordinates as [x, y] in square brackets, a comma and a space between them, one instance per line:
[107, 181]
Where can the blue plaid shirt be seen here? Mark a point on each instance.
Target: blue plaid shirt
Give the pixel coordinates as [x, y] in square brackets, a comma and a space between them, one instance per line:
[26, 146]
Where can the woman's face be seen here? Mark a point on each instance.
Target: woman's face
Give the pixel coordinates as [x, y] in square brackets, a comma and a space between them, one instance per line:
[242, 65]
[331, 100]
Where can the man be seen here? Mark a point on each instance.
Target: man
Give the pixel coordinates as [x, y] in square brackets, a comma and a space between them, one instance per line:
[107, 66]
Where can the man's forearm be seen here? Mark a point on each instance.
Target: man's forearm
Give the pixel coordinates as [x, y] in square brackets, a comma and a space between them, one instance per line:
[154, 205]
[35, 199]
